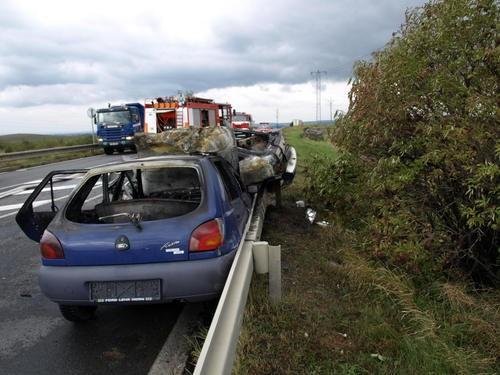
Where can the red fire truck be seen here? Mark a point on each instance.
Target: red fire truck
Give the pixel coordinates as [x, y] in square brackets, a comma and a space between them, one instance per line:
[183, 111]
[242, 120]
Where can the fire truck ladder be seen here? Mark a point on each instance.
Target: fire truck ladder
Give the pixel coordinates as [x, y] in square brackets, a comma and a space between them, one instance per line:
[179, 118]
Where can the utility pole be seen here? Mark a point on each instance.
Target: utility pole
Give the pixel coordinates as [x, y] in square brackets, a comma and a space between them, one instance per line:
[91, 113]
[331, 109]
[277, 116]
[317, 76]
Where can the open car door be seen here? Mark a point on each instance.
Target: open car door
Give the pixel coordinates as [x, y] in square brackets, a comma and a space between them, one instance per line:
[32, 223]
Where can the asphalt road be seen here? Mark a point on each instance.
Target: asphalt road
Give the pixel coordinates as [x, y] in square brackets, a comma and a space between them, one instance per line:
[34, 338]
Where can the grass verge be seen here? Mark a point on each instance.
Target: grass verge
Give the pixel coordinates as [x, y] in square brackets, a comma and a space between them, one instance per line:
[12, 165]
[344, 313]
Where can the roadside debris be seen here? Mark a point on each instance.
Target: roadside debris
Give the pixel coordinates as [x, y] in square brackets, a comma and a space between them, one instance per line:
[311, 215]
[316, 134]
[378, 356]
[323, 223]
[300, 204]
[113, 355]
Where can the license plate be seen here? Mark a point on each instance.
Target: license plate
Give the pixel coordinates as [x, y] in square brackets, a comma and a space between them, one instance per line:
[125, 291]
[113, 143]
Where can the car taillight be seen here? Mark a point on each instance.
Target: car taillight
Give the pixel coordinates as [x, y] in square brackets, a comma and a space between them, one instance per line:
[50, 246]
[208, 236]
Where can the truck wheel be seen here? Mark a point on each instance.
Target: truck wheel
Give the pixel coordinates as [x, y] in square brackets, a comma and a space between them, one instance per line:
[77, 313]
[108, 150]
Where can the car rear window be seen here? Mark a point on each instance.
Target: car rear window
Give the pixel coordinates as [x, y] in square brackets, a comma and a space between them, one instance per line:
[136, 195]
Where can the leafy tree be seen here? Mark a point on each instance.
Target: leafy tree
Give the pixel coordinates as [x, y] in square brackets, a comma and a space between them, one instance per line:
[422, 128]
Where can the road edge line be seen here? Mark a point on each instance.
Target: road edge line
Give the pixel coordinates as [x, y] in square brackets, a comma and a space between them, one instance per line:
[173, 355]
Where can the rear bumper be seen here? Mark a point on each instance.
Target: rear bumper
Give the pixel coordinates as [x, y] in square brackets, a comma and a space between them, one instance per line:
[191, 281]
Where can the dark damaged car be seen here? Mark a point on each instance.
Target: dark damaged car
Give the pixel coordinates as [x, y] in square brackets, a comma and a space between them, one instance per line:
[149, 231]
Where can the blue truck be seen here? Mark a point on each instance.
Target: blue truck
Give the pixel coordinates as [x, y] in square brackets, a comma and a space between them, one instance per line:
[116, 126]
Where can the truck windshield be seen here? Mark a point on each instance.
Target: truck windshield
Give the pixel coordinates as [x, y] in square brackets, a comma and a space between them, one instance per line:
[114, 117]
[240, 118]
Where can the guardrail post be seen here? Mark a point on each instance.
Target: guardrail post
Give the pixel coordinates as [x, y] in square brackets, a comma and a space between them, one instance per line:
[275, 273]
[260, 250]
[267, 259]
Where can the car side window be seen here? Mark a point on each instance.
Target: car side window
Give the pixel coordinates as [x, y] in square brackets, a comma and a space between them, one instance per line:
[231, 184]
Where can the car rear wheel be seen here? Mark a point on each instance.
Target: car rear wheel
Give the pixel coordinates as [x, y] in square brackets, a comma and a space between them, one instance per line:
[77, 313]
[108, 150]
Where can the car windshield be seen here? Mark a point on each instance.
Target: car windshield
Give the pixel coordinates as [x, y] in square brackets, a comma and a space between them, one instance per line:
[136, 195]
[114, 117]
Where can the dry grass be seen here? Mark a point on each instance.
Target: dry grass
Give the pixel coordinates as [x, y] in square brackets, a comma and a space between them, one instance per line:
[396, 287]
[457, 296]
[345, 313]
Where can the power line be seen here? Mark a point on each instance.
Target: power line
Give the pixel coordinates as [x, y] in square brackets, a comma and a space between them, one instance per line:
[317, 76]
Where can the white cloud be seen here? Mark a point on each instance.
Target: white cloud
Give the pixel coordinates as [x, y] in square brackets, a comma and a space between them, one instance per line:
[255, 54]
[296, 101]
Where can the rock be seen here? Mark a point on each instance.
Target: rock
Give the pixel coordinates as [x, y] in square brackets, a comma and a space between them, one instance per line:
[316, 134]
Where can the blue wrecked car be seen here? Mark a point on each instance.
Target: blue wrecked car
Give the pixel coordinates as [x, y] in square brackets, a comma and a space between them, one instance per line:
[147, 231]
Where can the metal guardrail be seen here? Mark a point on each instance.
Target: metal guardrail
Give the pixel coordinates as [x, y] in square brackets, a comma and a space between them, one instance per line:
[43, 151]
[219, 348]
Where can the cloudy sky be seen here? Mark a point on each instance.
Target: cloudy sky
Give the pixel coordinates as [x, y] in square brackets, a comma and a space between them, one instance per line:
[57, 58]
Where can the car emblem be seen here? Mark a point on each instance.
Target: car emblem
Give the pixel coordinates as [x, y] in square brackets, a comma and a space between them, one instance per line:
[122, 243]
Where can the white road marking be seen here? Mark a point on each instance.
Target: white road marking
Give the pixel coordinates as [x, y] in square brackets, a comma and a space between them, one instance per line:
[40, 203]
[22, 183]
[35, 204]
[7, 215]
[64, 187]
[18, 190]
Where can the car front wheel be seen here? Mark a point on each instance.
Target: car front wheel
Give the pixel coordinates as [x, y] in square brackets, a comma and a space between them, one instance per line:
[77, 313]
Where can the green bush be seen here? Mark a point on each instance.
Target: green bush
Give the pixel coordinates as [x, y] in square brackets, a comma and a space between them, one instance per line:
[420, 142]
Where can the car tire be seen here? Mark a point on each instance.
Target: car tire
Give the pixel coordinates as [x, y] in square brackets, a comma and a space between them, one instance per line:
[108, 150]
[77, 314]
